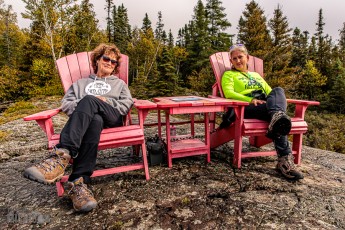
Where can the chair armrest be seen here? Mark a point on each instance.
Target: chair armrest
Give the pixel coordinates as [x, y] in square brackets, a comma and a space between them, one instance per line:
[143, 107]
[144, 104]
[42, 115]
[301, 106]
[234, 102]
[302, 102]
[45, 121]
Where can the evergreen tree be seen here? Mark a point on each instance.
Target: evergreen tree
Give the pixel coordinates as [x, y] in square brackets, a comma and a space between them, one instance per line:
[170, 39]
[323, 54]
[341, 44]
[337, 92]
[121, 28]
[280, 56]
[218, 23]
[200, 38]
[146, 24]
[299, 48]
[197, 42]
[166, 83]
[164, 37]
[180, 38]
[111, 9]
[253, 31]
[84, 35]
[159, 27]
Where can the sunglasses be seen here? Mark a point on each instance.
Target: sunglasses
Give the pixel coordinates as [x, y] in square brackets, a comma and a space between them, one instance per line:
[108, 59]
[236, 45]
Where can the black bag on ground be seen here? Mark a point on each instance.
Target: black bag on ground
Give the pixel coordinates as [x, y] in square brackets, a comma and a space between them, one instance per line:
[228, 118]
[156, 150]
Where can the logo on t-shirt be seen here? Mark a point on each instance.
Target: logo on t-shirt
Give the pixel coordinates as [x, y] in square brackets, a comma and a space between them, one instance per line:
[97, 88]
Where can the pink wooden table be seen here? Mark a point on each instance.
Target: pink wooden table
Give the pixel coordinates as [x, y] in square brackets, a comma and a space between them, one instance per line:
[189, 105]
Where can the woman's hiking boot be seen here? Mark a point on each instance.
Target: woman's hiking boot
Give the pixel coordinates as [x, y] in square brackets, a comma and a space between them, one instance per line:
[280, 125]
[50, 169]
[287, 168]
[81, 196]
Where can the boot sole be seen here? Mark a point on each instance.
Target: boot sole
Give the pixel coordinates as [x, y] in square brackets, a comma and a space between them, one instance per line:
[42, 181]
[294, 177]
[86, 208]
[282, 126]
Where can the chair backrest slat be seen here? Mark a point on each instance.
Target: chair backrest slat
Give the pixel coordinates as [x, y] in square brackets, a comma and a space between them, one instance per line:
[76, 66]
[84, 60]
[221, 62]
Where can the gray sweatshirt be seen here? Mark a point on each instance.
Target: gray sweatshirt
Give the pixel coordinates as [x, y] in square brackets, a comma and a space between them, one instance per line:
[112, 88]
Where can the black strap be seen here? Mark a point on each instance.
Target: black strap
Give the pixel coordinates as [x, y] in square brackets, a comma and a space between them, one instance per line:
[252, 79]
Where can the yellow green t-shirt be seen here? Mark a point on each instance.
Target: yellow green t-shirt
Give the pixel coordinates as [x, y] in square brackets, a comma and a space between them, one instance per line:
[238, 85]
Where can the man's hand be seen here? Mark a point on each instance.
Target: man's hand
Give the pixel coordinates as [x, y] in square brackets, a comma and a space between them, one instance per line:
[257, 102]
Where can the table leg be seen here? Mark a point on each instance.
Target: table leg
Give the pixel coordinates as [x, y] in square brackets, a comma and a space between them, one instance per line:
[207, 136]
[167, 128]
[192, 118]
[159, 124]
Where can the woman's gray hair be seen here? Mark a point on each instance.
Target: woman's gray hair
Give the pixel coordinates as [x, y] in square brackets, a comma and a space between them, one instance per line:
[238, 47]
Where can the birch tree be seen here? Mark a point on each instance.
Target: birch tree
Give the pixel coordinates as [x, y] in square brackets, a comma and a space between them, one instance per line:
[52, 19]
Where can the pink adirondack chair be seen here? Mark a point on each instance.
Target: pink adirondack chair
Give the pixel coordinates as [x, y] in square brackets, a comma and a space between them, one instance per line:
[77, 66]
[254, 128]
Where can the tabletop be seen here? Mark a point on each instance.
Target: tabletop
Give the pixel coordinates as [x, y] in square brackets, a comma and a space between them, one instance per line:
[188, 101]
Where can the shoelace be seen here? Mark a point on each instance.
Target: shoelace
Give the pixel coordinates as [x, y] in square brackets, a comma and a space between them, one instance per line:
[274, 119]
[77, 189]
[288, 163]
[48, 164]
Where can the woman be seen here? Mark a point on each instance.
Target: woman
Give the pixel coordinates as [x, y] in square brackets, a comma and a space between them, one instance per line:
[265, 104]
[92, 104]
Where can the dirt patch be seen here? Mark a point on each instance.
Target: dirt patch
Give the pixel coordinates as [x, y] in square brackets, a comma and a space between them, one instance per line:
[190, 195]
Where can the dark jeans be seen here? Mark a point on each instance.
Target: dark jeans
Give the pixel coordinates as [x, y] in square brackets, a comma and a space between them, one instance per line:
[276, 101]
[82, 132]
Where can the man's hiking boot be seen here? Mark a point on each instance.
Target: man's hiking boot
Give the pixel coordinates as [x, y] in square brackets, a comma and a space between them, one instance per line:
[287, 168]
[280, 125]
[81, 196]
[50, 169]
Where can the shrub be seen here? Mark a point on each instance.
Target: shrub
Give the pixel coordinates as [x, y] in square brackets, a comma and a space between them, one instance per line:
[44, 79]
[324, 131]
[17, 110]
[9, 83]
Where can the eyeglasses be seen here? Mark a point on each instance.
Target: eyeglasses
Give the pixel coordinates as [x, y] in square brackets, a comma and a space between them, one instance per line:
[108, 59]
[236, 45]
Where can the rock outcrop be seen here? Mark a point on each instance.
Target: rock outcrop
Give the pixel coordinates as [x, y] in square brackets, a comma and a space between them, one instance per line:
[191, 195]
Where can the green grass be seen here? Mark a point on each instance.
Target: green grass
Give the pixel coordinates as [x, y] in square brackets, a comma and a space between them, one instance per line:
[21, 109]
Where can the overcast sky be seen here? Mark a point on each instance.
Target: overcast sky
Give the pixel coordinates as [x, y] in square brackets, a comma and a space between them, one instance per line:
[176, 13]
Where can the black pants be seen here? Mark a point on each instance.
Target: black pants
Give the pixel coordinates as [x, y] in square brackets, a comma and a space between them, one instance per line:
[276, 101]
[82, 132]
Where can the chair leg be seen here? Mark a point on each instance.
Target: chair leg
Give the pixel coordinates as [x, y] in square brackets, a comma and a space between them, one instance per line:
[146, 167]
[238, 137]
[297, 147]
[237, 151]
[60, 189]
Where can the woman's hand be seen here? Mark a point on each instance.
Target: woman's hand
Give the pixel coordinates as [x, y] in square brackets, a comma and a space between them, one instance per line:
[102, 98]
[257, 102]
